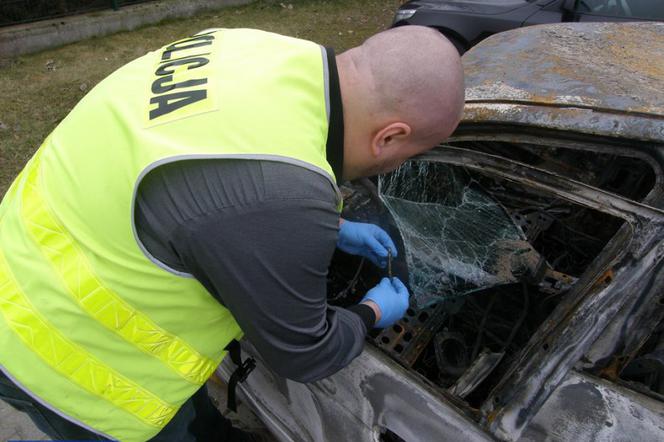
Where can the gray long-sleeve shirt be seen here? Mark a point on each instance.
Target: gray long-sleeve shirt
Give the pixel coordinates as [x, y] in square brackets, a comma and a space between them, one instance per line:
[259, 235]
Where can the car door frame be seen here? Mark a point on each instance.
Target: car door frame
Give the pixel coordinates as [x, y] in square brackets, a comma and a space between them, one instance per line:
[565, 337]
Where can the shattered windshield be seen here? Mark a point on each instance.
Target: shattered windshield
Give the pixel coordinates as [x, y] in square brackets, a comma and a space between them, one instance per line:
[457, 238]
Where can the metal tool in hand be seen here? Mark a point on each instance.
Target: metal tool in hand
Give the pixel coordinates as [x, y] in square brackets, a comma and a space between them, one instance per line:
[389, 263]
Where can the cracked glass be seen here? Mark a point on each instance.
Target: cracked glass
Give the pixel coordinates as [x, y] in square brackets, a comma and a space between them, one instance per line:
[457, 238]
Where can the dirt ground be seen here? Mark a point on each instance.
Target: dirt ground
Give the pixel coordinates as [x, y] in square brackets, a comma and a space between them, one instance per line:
[17, 426]
[38, 90]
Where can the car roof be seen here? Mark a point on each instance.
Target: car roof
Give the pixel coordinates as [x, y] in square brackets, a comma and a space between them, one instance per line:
[562, 69]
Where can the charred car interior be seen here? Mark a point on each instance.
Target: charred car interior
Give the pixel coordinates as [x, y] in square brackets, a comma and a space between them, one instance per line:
[487, 258]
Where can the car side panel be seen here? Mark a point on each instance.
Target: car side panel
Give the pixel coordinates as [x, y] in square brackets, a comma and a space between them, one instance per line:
[551, 13]
[591, 409]
[372, 394]
[602, 18]
[470, 27]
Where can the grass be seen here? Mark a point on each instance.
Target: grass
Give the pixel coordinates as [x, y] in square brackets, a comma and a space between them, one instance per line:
[38, 90]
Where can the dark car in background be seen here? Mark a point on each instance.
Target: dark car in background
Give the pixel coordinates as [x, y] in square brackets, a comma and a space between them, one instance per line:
[467, 22]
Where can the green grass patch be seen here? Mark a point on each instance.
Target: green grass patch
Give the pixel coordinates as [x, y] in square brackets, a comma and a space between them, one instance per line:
[39, 90]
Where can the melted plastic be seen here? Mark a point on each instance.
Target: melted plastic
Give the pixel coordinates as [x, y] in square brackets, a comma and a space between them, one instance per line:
[457, 238]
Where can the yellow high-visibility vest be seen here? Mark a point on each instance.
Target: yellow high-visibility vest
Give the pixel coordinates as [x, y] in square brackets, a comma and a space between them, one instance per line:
[91, 324]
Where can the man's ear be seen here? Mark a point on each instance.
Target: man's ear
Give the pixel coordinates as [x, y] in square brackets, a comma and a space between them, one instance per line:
[390, 136]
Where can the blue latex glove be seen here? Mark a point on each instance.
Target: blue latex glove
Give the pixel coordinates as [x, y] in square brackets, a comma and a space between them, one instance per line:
[391, 296]
[367, 240]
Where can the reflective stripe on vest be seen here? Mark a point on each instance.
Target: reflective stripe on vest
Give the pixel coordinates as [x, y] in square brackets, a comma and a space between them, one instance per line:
[98, 301]
[90, 324]
[71, 360]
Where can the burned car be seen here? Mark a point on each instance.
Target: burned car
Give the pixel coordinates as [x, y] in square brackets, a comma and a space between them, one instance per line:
[533, 246]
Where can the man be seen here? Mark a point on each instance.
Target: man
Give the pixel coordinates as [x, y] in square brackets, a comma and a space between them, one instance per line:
[190, 199]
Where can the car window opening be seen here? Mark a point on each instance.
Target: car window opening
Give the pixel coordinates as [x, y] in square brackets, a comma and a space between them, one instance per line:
[387, 435]
[623, 174]
[486, 261]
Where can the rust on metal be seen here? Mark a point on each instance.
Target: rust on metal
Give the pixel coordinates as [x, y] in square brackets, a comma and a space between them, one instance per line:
[612, 371]
[406, 339]
[604, 280]
[562, 76]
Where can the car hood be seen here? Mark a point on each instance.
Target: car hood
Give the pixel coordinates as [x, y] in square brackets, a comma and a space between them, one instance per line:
[468, 6]
[571, 74]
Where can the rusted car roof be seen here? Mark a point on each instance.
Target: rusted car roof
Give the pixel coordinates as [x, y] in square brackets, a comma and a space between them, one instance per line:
[568, 74]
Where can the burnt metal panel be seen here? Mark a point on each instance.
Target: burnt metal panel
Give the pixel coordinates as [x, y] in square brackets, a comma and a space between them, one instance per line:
[370, 395]
[406, 339]
[590, 409]
[587, 121]
[601, 67]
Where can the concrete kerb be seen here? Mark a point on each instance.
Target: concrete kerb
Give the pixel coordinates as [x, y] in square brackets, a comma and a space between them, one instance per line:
[33, 37]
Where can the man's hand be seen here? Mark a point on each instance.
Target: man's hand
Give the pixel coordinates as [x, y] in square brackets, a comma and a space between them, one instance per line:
[367, 240]
[389, 300]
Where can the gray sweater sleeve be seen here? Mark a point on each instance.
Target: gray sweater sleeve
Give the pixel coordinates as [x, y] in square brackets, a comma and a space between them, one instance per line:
[259, 236]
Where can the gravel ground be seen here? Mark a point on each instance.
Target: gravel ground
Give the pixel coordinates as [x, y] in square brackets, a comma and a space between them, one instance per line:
[16, 426]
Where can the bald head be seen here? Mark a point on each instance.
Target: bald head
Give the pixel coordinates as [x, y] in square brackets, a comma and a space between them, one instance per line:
[410, 77]
[415, 73]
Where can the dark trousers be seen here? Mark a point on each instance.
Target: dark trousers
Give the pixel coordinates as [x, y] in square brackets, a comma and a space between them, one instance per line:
[197, 420]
